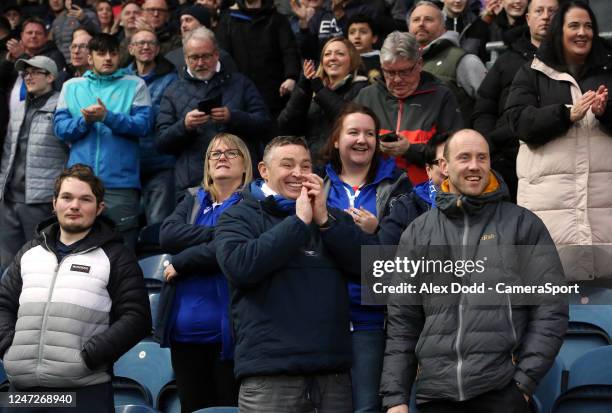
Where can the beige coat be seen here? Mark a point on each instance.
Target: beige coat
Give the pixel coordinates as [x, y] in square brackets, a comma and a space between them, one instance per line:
[567, 182]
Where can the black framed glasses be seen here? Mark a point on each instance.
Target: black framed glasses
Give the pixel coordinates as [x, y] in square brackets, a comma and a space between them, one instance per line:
[436, 161]
[402, 74]
[229, 154]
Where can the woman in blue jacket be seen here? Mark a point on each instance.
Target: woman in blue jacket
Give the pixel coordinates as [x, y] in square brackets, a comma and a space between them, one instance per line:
[193, 315]
[360, 181]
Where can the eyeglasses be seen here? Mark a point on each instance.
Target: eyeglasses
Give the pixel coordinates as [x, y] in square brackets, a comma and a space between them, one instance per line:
[27, 73]
[142, 43]
[436, 161]
[154, 10]
[402, 74]
[79, 46]
[193, 59]
[229, 154]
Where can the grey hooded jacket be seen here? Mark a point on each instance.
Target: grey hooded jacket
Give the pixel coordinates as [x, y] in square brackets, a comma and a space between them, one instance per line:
[464, 350]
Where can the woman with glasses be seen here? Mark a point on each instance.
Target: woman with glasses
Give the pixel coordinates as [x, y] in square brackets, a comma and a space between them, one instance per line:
[321, 94]
[193, 315]
[360, 181]
[559, 109]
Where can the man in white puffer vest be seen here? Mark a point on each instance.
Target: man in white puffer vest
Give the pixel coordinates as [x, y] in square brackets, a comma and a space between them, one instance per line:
[73, 300]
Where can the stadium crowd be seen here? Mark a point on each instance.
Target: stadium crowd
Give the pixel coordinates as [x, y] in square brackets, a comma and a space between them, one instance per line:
[263, 143]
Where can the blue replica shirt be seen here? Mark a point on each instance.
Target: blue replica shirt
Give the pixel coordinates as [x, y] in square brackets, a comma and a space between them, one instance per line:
[342, 196]
[202, 299]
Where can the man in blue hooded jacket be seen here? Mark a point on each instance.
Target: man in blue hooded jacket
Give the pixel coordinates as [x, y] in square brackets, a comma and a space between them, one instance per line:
[102, 115]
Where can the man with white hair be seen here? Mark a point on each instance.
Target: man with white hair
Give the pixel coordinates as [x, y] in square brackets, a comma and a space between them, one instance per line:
[412, 105]
[444, 58]
[207, 100]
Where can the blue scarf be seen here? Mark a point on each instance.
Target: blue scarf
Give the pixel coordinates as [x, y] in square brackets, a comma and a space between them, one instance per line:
[284, 204]
[427, 192]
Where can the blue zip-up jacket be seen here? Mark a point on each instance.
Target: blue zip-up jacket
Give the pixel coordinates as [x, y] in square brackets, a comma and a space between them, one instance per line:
[110, 147]
[364, 317]
[164, 73]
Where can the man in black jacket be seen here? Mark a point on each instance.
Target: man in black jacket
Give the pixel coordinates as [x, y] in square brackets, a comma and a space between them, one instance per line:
[474, 358]
[207, 100]
[491, 98]
[289, 299]
[264, 48]
[73, 300]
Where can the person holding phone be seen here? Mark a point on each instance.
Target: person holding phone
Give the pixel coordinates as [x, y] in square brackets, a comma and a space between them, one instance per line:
[229, 102]
[75, 14]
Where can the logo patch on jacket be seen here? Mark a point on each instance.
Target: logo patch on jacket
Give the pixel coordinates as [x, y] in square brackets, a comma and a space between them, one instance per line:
[80, 268]
[487, 237]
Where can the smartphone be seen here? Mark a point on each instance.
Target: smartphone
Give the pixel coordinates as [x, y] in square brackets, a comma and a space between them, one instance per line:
[389, 137]
[208, 104]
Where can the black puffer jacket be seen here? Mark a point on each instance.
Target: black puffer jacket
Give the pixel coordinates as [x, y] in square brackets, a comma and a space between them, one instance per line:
[263, 47]
[289, 299]
[490, 102]
[312, 109]
[483, 32]
[465, 350]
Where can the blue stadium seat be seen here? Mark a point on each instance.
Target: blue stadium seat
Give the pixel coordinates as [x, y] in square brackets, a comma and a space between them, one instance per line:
[3, 379]
[134, 408]
[148, 365]
[550, 387]
[168, 399]
[597, 314]
[218, 410]
[590, 384]
[153, 270]
[580, 338]
[129, 392]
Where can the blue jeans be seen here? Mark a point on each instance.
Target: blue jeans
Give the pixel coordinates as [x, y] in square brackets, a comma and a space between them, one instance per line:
[158, 197]
[368, 352]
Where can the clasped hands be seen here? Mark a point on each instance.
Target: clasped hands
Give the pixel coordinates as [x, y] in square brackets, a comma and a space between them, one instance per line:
[594, 100]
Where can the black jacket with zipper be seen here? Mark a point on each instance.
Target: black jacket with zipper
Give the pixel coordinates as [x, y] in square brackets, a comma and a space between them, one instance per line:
[463, 351]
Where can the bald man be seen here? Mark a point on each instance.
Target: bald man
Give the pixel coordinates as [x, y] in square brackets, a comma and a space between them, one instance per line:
[470, 358]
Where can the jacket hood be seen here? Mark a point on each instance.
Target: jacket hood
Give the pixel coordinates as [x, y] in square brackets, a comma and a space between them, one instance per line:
[447, 37]
[117, 74]
[386, 169]
[519, 40]
[102, 232]
[240, 9]
[162, 68]
[454, 204]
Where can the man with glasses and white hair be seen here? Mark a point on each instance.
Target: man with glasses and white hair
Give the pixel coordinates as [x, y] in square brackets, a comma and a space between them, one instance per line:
[412, 105]
[31, 158]
[205, 101]
[157, 15]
